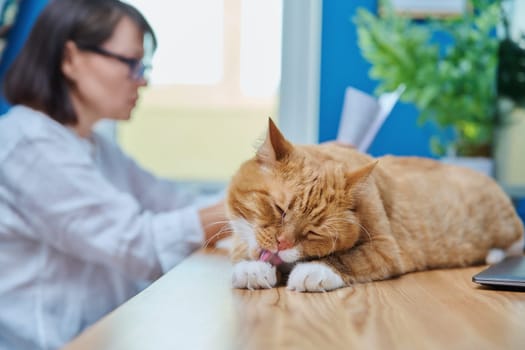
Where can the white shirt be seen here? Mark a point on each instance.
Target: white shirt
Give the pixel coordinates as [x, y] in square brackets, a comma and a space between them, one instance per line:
[82, 226]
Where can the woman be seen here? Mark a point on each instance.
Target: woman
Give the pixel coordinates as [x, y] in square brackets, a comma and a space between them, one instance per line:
[82, 226]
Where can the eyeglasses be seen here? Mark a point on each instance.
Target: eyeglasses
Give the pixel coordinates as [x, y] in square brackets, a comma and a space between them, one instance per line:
[137, 69]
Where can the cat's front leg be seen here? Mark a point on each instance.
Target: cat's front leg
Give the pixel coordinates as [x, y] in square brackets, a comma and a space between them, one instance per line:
[371, 261]
[314, 277]
[254, 274]
[378, 259]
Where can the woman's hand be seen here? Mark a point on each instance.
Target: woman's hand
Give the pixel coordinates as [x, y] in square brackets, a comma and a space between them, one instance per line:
[214, 223]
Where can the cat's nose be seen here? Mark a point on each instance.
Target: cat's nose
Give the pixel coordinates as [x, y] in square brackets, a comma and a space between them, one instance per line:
[283, 243]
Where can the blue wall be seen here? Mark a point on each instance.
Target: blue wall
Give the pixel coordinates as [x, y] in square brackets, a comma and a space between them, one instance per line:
[342, 65]
[27, 12]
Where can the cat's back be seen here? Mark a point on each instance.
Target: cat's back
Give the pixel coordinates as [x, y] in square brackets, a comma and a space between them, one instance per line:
[448, 198]
[425, 171]
[432, 179]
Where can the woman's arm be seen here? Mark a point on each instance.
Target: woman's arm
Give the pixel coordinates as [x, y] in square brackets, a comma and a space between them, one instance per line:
[68, 204]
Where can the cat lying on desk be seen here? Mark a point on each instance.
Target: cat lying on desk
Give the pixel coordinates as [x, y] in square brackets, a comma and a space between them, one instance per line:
[328, 216]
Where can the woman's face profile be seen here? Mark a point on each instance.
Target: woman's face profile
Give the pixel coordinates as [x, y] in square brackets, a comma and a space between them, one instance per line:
[102, 86]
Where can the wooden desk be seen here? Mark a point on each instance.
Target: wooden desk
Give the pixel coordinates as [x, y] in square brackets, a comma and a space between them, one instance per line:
[194, 307]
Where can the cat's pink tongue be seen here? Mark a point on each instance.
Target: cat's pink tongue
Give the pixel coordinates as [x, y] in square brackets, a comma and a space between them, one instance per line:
[268, 256]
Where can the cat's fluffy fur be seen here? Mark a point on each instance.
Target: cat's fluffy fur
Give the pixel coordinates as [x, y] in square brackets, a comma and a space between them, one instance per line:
[336, 216]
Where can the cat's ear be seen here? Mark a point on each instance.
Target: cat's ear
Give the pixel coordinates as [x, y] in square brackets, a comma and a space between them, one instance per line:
[356, 180]
[275, 146]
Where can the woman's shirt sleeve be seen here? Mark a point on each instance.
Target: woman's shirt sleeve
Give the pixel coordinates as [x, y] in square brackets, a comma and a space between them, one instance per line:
[71, 206]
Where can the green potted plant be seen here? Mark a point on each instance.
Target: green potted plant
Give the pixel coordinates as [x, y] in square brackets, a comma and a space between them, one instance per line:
[453, 85]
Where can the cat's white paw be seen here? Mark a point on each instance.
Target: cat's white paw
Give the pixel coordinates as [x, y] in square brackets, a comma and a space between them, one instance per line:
[313, 277]
[254, 275]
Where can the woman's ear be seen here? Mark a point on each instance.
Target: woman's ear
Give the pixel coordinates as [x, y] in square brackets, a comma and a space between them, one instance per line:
[69, 60]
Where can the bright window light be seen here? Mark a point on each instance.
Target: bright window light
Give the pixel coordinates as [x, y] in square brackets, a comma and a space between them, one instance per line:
[191, 40]
[260, 47]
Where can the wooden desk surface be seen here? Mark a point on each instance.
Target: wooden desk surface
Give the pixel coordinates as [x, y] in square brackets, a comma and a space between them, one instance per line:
[194, 307]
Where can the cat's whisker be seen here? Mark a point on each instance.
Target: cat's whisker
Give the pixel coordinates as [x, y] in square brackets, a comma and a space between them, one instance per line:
[333, 238]
[334, 241]
[366, 231]
[362, 227]
[332, 232]
[225, 228]
[227, 222]
[245, 231]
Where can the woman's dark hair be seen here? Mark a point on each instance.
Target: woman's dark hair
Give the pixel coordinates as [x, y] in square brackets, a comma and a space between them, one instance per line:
[35, 78]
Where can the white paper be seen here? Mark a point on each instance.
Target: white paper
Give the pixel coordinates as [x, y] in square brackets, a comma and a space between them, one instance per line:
[429, 7]
[363, 115]
[359, 112]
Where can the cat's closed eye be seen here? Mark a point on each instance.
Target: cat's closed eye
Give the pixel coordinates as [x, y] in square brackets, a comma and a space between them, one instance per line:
[314, 236]
[280, 210]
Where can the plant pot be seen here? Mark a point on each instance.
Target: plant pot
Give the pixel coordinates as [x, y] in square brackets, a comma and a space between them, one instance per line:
[481, 164]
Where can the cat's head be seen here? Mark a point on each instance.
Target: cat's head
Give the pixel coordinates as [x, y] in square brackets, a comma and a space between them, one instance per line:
[295, 201]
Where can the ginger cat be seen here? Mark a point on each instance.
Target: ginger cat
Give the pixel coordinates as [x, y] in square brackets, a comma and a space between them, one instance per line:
[328, 216]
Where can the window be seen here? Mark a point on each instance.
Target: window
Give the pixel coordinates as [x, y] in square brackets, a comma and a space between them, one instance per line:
[215, 82]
